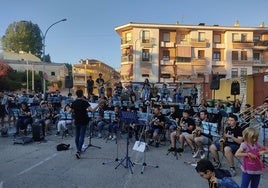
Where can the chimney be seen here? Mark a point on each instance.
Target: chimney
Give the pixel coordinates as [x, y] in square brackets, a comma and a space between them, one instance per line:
[262, 24]
[236, 23]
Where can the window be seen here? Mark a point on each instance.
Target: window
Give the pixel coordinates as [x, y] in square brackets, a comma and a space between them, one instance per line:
[166, 55]
[53, 74]
[183, 59]
[234, 55]
[236, 37]
[244, 55]
[128, 37]
[244, 71]
[145, 36]
[243, 37]
[145, 55]
[217, 38]
[256, 38]
[166, 37]
[234, 72]
[217, 56]
[256, 56]
[201, 54]
[201, 36]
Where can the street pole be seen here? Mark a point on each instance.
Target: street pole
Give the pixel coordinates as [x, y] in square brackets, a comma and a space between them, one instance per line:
[44, 51]
[27, 77]
[33, 77]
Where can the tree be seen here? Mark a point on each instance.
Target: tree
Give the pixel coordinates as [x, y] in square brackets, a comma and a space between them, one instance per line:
[23, 36]
[5, 69]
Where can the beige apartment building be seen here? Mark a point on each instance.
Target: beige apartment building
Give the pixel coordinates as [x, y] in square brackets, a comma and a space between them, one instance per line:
[92, 67]
[191, 53]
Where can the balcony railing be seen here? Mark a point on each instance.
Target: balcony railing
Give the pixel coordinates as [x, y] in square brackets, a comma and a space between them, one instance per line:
[199, 44]
[218, 45]
[166, 62]
[146, 43]
[167, 44]
[242, 63]
[199, 62]
[126, 41]
[261, 45]
[260, 63]
[128, 58]
[243, 44]
[218, 63]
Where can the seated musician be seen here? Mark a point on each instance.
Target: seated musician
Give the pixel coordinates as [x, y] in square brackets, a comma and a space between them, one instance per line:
[156, 126]
[114, 125]
[45, 117]
[232, 138]
[198, 138]
[173, 115]
[24, 118]
[187, 125]
[65, 118]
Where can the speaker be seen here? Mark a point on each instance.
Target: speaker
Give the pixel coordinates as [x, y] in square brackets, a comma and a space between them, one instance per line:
[68, 82]
[235, 88]
[215, 82]
[37, 132]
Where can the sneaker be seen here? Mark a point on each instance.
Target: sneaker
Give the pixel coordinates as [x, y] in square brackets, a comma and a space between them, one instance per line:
[157, 144]
[114, 138]
[78, 155]
[58, 133]
[202, 155]
[99, 135]
[171, 149]
[217, 164]
[233, 171]
[150, 142]
[180, 150]
[195, 155]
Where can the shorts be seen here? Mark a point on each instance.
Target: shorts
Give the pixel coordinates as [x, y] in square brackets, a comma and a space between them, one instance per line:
[234, 147]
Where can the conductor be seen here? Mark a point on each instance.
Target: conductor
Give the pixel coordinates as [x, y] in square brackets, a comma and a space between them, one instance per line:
[80, 109]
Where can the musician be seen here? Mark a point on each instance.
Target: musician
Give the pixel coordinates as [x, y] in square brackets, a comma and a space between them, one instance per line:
[173, 115]
[115, 123]
[90, 86]
[232, 138]
[80, 109]
[64, 119]
[24, 118]
[203, 105]
[45, 116]
[199, 138]
[100, 84]
[146, 90]
[216, 177]
[69, 99]
[187, 125]
[157, 125]
[236, 106]
[264, 118]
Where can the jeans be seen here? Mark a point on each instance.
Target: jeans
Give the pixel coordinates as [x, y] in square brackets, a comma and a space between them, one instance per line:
[80, 131]
[22, 123]
[252, 179]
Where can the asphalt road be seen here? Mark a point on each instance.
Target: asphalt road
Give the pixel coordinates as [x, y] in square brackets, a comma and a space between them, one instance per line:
[39, 165]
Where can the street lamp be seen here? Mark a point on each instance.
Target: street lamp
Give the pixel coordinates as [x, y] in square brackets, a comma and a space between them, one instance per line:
[44, 51]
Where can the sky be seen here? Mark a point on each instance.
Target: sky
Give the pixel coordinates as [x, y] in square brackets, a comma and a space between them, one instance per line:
[89, 31]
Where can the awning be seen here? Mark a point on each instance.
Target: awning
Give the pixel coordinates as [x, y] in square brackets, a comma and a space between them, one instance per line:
[184, 51]
[127, 69]
[200, 69]
[184, 69]
[146, 69]
[219, 70]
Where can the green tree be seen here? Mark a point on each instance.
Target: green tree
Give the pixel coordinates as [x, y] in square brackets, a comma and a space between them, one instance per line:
[23, 36]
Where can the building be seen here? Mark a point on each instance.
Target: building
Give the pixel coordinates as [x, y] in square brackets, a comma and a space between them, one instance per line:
[92, 67]
[189, 54]
[54, 72]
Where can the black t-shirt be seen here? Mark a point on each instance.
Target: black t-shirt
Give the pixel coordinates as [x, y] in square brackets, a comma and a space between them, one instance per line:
[188, 122]
[79, 107]
[158, 118]
[236, 131]
[173, 116]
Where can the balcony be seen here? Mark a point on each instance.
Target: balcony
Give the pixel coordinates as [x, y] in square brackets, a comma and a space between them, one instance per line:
[147, 43]
[127, 58]
[260, 63]
[167, 44]
[242, 44]
[125, 43]
[199, 62]
[218, 45]
[261, 45]
[218, 63]
[199, 44]
[242, 63]
[166, 62]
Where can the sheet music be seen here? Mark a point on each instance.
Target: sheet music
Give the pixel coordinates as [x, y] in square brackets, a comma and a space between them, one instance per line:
[139, 146]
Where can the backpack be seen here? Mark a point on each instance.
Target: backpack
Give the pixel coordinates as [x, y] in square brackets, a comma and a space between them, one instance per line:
[62, 147]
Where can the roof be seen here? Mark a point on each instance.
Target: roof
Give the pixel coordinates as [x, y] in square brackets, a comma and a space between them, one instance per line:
[19, 56]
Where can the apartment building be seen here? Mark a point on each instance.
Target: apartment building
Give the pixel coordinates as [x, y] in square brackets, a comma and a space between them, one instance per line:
[92, 67]
[191, 53]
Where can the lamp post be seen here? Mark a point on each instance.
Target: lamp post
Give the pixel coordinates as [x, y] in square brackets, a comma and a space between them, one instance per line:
[44, 50]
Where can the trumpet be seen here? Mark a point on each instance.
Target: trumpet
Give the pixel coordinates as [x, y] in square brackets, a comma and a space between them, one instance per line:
[178, 131]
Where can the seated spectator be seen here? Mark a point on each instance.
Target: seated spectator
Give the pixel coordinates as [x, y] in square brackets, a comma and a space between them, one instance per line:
[64, 119]
[229, 144]
[187, 125]
[215, 177]
[24, 118]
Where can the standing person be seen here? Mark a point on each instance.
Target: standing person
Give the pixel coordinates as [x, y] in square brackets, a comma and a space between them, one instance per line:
[80, 109]
[90, 86]
[217, 178]
[100, 84]
[146, 90]
[251, 152]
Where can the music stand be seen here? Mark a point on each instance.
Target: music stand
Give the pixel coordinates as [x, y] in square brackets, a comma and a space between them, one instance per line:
[138, 143]
[90, 136]
[127, 117]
